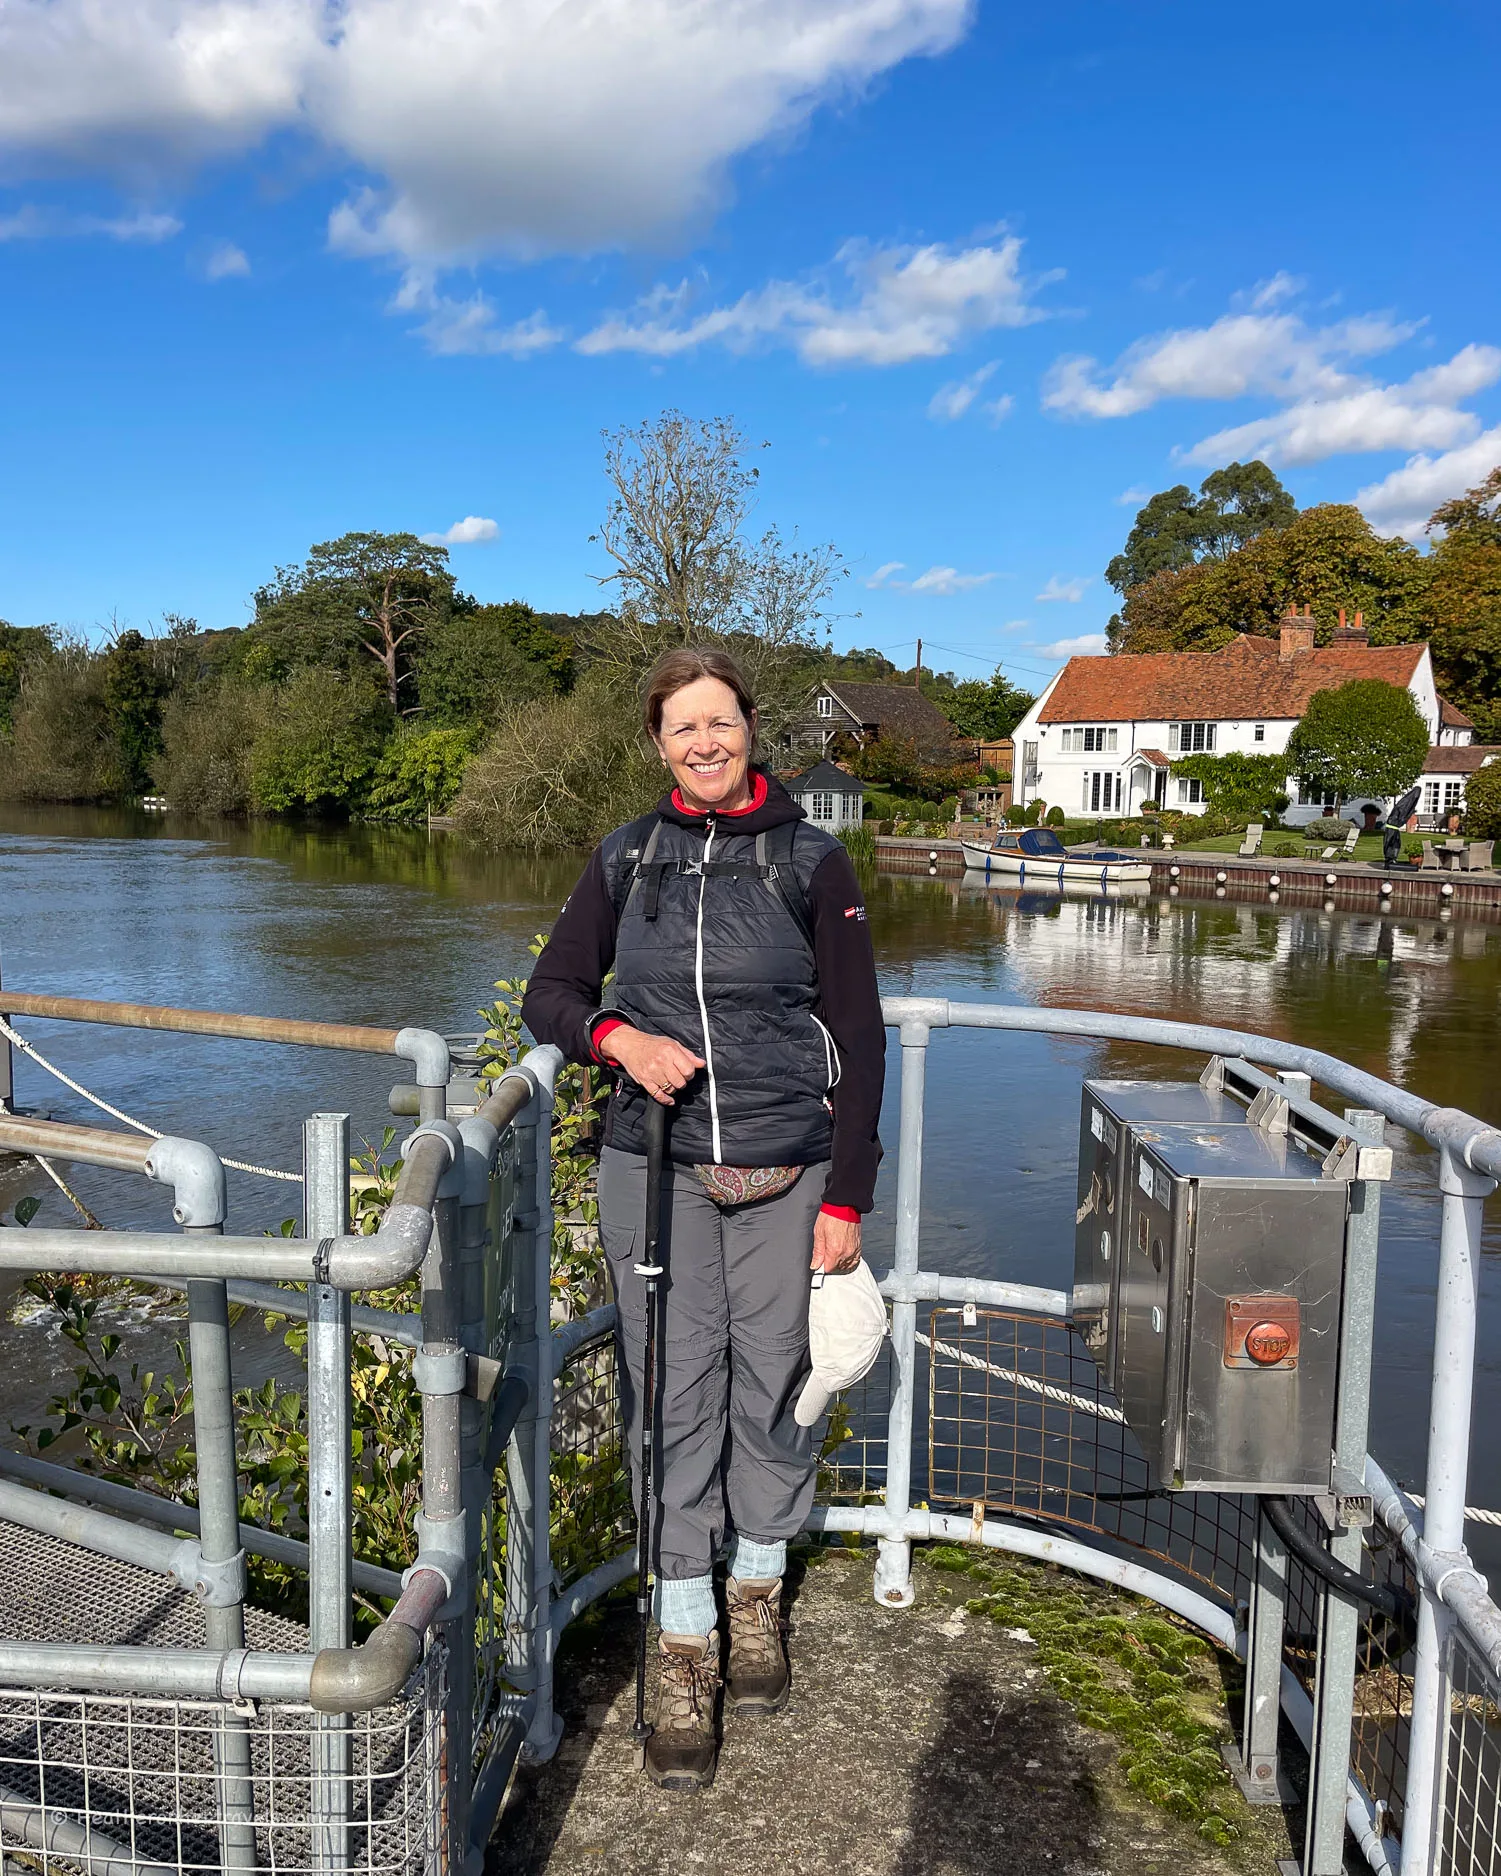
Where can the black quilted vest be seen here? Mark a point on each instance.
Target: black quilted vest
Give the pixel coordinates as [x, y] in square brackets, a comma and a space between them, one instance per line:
[724, 968]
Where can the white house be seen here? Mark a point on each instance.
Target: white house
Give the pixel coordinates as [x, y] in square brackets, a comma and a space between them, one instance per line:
[830, 798]
[1104, 735]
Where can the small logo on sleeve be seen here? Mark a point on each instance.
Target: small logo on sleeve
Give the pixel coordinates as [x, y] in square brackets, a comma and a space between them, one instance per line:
[855, 911]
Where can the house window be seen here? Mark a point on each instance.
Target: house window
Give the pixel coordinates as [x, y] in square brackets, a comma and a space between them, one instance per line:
[1315, 797]
[1258, 735]
[1190, 792]
[1191, 737]
[821, 807]
[1095, 740]
[1443, 797]
[825, 705]
[1068, 741]
[1102, 791]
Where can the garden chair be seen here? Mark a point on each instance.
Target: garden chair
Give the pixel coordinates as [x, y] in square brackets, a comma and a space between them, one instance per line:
[1251, 845]
[1431, 862]
[1350, 840]
[1478, 856]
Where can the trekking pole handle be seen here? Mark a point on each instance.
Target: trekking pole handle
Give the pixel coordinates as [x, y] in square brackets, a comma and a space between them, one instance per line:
[656, 1136]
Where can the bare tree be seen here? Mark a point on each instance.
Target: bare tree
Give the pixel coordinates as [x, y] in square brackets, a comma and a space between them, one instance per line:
[684, 569]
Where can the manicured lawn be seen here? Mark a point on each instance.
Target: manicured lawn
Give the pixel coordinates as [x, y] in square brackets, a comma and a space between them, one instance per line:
[1367, 848]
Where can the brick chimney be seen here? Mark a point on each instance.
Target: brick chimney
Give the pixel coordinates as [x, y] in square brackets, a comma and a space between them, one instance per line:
[1297, 633]
[1355, 634]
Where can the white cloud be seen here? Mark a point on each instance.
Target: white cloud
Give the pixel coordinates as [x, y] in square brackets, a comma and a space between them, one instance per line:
[469, 532]
[1016, 625]
[1132, 497]
[942, 582]
[30, 223]
[490, 126]
[1070, 591]
[457, 328]
[1326, 406]
[226, 262]
[945, 580]
[998, 409]
[950, 401]
[1087, 645]
[877, 305]
[1402, 502]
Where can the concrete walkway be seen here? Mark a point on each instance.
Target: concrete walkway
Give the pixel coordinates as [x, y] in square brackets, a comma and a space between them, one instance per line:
[920, 1742]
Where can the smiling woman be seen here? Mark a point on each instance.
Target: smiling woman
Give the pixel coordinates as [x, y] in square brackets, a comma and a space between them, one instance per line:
[745, 1004]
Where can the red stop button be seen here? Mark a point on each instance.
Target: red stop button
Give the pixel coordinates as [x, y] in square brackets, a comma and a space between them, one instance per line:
[1268, 1342]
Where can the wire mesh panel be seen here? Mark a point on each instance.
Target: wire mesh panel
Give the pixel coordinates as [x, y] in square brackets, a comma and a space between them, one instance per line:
[1022, 1420]
[1469, 1841]
[86, 1776]
[591, 1486]
[852, 1459]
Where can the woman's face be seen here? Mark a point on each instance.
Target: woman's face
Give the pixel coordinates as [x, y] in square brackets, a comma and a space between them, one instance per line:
[705, 741]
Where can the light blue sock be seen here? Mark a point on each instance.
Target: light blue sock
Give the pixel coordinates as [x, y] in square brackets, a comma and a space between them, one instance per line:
[751, 1562]
[684, 1605]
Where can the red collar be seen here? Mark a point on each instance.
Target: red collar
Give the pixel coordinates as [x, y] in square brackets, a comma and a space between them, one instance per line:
[757, 800]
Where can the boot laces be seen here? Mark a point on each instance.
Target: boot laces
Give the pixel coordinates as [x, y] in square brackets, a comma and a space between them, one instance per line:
[687, 1692]
[755, 1632]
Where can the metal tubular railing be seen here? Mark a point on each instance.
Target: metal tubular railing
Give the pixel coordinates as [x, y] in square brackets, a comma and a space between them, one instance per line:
[473, 1211]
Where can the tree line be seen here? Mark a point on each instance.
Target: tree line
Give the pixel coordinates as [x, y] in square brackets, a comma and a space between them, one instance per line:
[1197, 568]
[367, 683]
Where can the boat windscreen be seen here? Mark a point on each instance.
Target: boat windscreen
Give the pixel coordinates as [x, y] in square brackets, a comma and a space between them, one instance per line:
[1041, 843]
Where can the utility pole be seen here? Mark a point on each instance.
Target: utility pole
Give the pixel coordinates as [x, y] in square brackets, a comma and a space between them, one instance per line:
[919, 664]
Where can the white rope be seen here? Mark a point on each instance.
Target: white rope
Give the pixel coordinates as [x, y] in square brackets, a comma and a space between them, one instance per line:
[14, 1036]
[1028, 1381]
[1474, 1515]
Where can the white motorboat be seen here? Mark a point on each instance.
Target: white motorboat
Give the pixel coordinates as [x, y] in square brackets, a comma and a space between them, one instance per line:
[1035, 856]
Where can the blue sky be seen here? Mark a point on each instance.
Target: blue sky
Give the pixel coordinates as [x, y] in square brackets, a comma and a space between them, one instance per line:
[270, 270]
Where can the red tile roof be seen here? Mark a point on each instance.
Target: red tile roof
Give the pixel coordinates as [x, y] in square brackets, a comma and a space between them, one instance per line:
[1157, 757]
[1463, 759]
[1248, 679]
[1451, 717]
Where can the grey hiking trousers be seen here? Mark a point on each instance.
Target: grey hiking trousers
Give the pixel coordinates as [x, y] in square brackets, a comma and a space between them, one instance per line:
[731, 1363]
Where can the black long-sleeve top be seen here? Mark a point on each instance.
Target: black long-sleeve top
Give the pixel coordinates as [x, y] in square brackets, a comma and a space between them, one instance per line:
[562, 1004]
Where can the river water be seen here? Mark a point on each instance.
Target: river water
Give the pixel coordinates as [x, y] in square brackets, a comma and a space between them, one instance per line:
[394, 926]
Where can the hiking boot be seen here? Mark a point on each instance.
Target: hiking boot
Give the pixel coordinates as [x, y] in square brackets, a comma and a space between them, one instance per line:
[682, 1751]
[758, 1680]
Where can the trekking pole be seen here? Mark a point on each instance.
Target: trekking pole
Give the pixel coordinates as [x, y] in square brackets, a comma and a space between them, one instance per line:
[651, 1270]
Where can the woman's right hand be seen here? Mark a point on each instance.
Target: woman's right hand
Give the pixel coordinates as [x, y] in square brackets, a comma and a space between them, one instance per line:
[659, 1064]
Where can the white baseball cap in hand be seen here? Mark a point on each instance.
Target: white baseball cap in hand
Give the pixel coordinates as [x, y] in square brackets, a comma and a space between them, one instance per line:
[846, 1325]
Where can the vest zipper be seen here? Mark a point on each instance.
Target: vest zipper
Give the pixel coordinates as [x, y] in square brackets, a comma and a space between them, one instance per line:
[698, 984]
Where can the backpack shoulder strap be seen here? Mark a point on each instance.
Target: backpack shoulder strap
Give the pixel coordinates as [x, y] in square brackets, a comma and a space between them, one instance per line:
[638, 842]
[774, 856]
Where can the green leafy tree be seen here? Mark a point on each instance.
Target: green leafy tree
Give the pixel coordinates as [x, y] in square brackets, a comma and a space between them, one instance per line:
[1236, 784]
[477, 660]
[1328, 558]
[1178, 529]
[208, 743]
[1365, 738]
[317, 749]
[62, 745]
[1465, 603]
[20, 647]
[363, 594]
[890, 761]
[986, 709]
[134, 688]
[419, 773]
[1483, 803]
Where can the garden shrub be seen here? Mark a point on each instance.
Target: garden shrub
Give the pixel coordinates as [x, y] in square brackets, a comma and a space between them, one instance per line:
[1328, 827]
[1055, 817]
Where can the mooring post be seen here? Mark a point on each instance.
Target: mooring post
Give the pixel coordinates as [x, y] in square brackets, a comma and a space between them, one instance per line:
[325, 1171]
[1339, 1616]
[893, 1579]
[1447, 1475]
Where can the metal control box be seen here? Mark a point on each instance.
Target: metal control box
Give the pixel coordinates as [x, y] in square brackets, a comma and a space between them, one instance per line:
[1209, 1273]
[1110, 1108]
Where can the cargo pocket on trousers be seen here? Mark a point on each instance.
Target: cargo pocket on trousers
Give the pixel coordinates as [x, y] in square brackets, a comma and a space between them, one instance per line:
[627, 1288]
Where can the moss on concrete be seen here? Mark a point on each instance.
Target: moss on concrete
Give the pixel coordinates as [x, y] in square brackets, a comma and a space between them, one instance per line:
[1014, 1720]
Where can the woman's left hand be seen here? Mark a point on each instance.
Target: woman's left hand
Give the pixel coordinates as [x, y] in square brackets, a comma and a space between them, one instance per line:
[836, 1244]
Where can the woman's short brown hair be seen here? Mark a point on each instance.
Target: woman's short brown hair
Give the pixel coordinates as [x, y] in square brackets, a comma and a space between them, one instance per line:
[675, 669]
